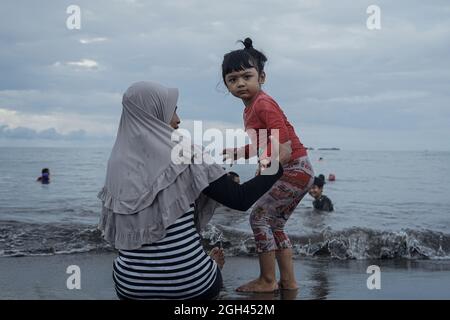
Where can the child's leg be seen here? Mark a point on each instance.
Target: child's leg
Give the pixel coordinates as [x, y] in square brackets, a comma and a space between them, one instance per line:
[265, 247]
[266, 282]
[267, 221]
[298, 180]
[286, 266]
[284, 248]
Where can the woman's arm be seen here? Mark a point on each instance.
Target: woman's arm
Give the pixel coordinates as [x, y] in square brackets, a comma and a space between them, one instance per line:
[241, 196]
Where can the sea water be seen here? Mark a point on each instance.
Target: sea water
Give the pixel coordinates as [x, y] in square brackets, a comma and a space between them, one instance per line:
[391, 204]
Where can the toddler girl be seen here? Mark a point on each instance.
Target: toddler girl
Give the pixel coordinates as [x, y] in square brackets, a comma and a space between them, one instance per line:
[243, 75]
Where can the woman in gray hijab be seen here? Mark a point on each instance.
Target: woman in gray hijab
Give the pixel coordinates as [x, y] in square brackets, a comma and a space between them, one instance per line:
[153, 208]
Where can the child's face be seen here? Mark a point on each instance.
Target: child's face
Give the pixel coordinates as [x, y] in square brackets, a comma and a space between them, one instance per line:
[244, 84]
[315, 191]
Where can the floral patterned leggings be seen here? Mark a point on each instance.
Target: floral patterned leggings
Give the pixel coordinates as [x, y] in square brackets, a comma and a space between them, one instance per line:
[274, 208]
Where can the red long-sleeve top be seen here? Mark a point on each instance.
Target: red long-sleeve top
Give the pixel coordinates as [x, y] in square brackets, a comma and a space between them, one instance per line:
[265, 113]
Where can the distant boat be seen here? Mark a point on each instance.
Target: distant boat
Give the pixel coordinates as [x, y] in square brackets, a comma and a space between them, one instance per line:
[332, 149]
[309, 148]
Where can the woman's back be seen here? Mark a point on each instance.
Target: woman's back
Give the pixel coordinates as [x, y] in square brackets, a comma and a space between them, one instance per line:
[176, 267]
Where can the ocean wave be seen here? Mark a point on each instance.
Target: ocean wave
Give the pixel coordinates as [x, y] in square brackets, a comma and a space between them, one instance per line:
[19, 239]
[351, 243]
[28, 239]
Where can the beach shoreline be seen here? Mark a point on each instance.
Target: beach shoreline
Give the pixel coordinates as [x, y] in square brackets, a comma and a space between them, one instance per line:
[45, 277]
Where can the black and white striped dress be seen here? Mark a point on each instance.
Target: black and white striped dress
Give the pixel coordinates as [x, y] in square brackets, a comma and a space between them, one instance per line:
[175, 267]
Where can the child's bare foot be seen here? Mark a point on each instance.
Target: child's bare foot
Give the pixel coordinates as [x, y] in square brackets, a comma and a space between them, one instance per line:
[259, 285]
[288, 285]
[218, 256]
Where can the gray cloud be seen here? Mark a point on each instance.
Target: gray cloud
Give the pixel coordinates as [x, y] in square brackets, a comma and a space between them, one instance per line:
[329, 72]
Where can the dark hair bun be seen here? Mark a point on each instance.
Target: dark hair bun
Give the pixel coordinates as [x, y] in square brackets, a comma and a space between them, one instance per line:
[318, 181]
[248, 43]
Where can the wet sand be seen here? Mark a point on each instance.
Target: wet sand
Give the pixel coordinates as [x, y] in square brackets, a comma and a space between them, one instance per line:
[44, 277]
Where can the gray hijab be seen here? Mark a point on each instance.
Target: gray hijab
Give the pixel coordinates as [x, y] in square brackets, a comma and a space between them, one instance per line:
[145, 192]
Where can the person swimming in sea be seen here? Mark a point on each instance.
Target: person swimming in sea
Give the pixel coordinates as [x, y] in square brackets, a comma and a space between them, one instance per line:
[321, 202]
[45, 176]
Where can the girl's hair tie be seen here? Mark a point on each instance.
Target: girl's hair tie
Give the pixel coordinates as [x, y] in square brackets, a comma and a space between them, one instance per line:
[248, 43]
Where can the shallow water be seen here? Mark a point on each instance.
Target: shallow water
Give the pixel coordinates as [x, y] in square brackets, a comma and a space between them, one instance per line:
[387, 205]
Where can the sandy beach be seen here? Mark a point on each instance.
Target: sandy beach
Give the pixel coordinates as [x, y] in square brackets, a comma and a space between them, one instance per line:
[44, 277]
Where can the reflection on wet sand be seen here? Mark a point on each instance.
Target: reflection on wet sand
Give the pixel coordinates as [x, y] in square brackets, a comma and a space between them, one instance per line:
[277, 295]
[320, 289]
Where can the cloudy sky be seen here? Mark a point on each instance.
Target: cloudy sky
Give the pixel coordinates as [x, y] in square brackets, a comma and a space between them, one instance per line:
[339, 83]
